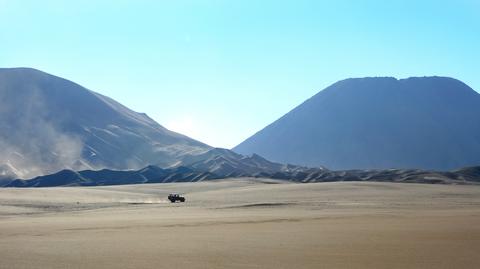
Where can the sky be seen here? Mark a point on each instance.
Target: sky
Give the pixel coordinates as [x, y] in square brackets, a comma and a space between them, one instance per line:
[219, 71]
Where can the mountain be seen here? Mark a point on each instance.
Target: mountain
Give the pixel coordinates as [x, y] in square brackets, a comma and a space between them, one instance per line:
[48, 124]
[214, 164]
[221, 164]
[378, 123]
[149, 174]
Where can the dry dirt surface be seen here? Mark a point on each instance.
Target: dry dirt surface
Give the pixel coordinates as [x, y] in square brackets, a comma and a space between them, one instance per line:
[242, 223]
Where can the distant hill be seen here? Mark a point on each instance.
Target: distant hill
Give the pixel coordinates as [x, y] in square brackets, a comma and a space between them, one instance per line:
[48, 124]
[378, 123]
[220, 164]
[214, 164]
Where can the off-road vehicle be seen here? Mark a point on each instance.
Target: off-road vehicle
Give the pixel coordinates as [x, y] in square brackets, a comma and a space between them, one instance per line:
[173, 197]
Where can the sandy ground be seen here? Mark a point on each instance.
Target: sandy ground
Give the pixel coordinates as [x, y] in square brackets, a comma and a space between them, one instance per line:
[242, 223]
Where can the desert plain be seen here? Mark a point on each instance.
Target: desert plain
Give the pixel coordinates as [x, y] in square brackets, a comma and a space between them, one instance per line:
[242, 223]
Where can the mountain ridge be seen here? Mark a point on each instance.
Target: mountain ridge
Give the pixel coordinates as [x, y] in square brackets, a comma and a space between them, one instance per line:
[234, 168]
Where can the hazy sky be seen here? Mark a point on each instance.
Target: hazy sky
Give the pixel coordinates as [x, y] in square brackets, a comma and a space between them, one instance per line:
[219, 71]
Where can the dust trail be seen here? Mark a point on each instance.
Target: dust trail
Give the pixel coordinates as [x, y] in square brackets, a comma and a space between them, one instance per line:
[32, 140]
[143, 201]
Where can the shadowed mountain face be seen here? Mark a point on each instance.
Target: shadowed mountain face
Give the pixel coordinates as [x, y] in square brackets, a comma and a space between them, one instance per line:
[427, 122]
[48, 123]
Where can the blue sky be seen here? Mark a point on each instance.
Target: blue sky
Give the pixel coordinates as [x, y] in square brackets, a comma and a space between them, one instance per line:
[219, 71]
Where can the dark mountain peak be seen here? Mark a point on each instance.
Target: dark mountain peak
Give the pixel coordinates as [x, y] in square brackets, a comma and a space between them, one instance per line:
[22, 71]
[438, 86]
[366, 80]
[429, 84]
[432, 79]
[361, 83]
[378, 122]
[33, 80]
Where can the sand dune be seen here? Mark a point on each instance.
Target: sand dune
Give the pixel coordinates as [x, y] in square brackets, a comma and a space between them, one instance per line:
[242, 223]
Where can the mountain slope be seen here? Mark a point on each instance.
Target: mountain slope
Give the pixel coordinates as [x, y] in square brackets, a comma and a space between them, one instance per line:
[367, 123]
[48, 123]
